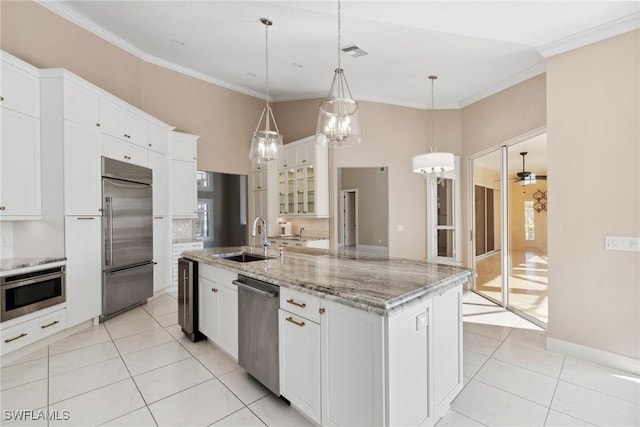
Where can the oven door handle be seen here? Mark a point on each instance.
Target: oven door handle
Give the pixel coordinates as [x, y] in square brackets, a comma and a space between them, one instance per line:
[108, 254]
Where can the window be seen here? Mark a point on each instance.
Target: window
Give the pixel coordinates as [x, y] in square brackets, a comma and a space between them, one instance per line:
[443, 217]
[204, 222]
[529, 226]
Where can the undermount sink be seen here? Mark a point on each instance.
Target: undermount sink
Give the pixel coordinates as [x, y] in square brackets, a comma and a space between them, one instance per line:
[245, 257]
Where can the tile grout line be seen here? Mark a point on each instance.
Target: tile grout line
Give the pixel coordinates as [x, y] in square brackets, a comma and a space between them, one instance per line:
[132, 380]
[48, 375]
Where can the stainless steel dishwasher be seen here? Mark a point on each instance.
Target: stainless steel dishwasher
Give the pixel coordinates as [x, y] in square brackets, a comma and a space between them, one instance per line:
[258, 304]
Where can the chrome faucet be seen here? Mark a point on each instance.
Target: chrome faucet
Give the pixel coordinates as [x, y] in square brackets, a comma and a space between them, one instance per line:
[301, 230]
[254, 233]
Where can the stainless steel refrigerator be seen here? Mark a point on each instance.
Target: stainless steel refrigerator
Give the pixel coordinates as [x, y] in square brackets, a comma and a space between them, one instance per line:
[127, 236]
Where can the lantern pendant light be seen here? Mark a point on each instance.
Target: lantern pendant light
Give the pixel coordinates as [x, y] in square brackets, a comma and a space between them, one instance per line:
[266, 144]
[338, 117]
[433, 163]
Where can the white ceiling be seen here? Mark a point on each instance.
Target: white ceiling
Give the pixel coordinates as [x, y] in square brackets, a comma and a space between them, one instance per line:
[476, 47]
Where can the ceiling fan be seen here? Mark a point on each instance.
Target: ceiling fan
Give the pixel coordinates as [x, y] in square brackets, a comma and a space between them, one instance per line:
[525, 176]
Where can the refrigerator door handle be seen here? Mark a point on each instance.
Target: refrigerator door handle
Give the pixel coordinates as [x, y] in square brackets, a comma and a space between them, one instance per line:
[188, 300]
[108, 255]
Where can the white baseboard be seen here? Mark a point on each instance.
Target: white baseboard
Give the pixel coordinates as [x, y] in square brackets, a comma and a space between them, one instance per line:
[594, 355]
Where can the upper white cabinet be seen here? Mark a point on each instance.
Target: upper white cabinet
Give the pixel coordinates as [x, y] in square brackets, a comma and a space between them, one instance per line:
[117, 149]
[120, 122]
[20, 150]
[82, 170]
[184, 192]
[303, 180]
[157, 138]
[158, 165]
[20, 89]
[81, 105]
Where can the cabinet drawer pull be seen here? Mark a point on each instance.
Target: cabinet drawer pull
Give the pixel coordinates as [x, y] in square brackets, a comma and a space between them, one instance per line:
[55, 322]
[298, 304]
[85, 218]
[304, 161]
[214, 290]
[290, 319]
[22, 335]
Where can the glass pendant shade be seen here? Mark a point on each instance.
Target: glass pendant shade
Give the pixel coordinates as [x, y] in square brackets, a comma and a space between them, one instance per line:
[338, 116]
[266, 144]
[433, 162]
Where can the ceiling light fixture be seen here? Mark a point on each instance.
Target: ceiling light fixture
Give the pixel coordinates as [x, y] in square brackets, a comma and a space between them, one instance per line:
[338, 118]
[266, 144]
[433, 162]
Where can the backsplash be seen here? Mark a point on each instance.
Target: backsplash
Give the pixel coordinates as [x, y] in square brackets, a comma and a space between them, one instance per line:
[6, 239]
[183, 229]
[313, 227]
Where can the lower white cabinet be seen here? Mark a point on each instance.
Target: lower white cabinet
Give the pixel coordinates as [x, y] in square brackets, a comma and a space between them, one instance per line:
[300, 363]
[34, 328]
[218, 307]
[352, 349]
[178, 248]
[161, 253]
[83, 282]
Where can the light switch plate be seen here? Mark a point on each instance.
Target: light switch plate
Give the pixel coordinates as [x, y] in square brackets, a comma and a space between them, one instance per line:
[614, 243]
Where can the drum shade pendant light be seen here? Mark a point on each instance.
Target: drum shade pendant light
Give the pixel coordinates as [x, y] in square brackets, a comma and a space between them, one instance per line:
[338, 118]
[266, 144]
[433, 162]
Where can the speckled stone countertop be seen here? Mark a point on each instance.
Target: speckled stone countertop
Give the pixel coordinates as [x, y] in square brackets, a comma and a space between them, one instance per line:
[371, 283]
[16, 263]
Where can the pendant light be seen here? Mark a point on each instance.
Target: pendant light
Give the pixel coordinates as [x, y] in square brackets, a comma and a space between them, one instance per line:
[266, 144]
[433, 162]
[338, 118]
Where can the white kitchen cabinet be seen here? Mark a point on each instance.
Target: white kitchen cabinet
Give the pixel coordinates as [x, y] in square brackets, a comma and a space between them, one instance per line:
[82, 170]
[161, 252]
[448, 349]
[117, 149]
[184, 190]
[299, 341]
[260, 180]
[353, 383]
[20, 87]
[157, 138]
[20, 166]
[159, 165]
[83, 281]
[303, 185]
[34, 327]
[120, 122]
[299, 334]
[81, 105]
[218, 307]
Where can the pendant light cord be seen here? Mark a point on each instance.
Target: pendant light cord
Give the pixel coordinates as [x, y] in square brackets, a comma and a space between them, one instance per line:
[339, 28]
[266, 60]
[432, 133]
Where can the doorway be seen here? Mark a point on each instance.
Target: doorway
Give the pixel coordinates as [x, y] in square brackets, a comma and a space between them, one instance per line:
[349, 213]
[510, 226]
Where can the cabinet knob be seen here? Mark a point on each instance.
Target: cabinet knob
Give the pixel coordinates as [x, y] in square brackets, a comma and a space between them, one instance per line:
[321, 310]
[2, 208]
[149, 145]
[1, 98]
[304, 161]
[98, 124]
[214, 290]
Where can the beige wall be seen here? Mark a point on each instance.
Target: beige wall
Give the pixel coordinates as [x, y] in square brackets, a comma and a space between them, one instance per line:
[593, 96]
[224, 119]
[373, 203]
[392, 136]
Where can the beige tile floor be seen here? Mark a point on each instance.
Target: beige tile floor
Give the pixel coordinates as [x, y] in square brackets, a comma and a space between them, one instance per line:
[139, 370]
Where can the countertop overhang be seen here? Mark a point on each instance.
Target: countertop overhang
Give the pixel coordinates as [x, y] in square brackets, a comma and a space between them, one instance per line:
[373, 283]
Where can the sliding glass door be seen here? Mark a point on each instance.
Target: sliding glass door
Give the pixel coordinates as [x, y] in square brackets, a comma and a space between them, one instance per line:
[510, 227]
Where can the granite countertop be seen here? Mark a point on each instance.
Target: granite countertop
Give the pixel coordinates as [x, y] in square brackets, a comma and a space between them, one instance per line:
[8, 264]
[372, 283]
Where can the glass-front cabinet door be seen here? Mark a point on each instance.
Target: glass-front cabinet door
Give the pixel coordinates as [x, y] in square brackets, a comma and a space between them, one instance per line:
[291, 191]
[311, 194]
[300, 190]
[282, 192]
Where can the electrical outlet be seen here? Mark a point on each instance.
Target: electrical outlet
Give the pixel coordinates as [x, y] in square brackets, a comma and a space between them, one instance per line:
[613, 243]
[422, 320]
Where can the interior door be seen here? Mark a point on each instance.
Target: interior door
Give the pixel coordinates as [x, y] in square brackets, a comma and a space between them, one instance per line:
[350, 218]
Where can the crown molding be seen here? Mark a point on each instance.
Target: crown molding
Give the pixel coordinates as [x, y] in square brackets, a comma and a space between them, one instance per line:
[592, 35]
[519, 77]
[79, 20]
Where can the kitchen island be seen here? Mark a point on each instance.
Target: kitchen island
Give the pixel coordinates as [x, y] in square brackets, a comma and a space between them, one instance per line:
[364, 339]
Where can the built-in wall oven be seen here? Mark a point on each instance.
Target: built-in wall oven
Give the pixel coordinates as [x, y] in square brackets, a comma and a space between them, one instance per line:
[25, 293]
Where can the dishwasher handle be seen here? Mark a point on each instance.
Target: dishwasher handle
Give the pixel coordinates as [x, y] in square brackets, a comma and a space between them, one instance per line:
[268, 294]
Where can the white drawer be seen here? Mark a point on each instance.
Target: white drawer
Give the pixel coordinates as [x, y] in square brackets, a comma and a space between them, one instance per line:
[216, 274]
[32, 330]
[299, 303]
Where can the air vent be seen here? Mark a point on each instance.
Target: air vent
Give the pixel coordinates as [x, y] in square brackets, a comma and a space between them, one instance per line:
[354, 51]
